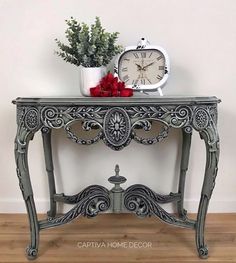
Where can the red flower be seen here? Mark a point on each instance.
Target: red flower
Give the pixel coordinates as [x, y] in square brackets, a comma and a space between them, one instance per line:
[105, 93]
[110, 86]
[126, 92]
[121, 86]
[95, 92]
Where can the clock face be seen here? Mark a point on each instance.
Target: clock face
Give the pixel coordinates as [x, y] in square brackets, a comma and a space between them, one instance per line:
[142, 67]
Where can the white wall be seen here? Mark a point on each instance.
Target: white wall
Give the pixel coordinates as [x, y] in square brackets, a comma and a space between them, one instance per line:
[200, 37]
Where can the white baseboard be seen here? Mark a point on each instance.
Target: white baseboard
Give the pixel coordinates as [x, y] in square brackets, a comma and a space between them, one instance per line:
[215, 206]
[18, 206]
[42, 206]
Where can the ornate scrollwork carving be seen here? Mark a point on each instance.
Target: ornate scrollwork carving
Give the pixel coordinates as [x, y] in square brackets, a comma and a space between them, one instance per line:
[90, 202]
[74, 199]
[173, 116]
[84, 112]
[188, 129]
[180, 116]
[146, 125]
[213, 113]
[143, 112]
[52, 117]
[87, 125]
[20, 113]
[21, 147]
[162, 199]
[118, 124]
[144, 202]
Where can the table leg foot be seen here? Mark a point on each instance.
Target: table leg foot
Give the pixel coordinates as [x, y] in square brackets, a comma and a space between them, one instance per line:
[182, 213]
[203, 252]
[31, 253]
[51, 214]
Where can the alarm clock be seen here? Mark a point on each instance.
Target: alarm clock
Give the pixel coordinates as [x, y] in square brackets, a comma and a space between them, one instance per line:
[143, 67]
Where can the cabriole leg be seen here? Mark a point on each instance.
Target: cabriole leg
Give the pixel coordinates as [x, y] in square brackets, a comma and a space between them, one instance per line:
[212, 156]
[21, 152]
[186, 143]
[46, 135]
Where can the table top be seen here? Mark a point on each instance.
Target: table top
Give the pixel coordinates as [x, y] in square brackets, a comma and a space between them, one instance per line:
[116, 101]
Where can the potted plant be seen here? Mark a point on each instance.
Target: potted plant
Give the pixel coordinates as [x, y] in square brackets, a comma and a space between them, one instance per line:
[90, 48]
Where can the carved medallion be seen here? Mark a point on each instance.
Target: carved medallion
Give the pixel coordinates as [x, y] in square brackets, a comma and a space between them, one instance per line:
[117, 127]
[32, 119]
[200, 119]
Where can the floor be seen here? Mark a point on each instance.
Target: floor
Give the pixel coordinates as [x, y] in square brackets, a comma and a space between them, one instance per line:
[118, 238]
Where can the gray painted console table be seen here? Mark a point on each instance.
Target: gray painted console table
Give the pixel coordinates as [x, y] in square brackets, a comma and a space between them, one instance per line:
[117, 121]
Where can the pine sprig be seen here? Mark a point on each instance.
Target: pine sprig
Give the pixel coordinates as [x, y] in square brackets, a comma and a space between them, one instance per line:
[88, 46]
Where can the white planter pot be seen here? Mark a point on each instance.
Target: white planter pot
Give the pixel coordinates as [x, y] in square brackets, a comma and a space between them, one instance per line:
[89, 78]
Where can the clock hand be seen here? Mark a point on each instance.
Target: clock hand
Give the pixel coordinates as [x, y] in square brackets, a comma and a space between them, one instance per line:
[147, 65]
[139, 67]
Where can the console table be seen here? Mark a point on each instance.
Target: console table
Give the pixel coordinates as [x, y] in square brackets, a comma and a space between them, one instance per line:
[116, 121]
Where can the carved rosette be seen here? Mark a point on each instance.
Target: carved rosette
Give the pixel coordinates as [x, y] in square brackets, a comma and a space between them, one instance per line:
[200, 118]
[32, 119]
[28, 122]
[117, 128]
[205, 122]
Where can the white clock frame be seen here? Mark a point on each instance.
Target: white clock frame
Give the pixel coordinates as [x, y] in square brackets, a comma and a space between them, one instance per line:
[159, 85]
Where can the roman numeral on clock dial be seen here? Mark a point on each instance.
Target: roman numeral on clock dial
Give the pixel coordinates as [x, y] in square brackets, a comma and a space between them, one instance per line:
[136, 55]
[160, 57]
[143, 55]
[126, 78]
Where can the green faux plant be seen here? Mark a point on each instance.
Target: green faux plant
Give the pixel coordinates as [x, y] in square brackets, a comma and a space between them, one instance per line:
[88, 46]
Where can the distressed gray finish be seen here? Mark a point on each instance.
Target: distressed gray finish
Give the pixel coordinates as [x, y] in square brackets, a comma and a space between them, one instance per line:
[186, 143]
[116, 121]
[46, 135]
[117, 192]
